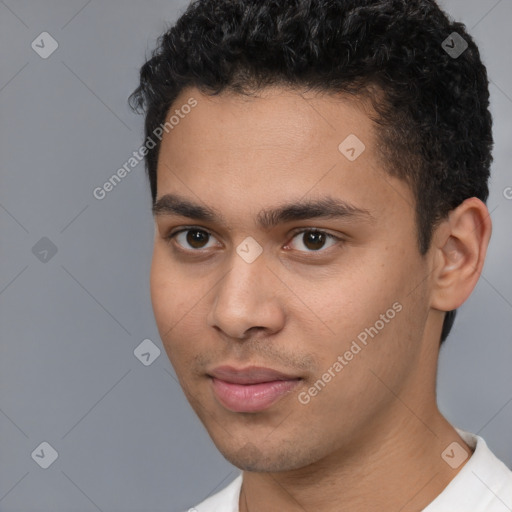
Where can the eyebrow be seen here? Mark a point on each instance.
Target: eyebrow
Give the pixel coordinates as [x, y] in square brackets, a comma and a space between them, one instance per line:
[326, 207]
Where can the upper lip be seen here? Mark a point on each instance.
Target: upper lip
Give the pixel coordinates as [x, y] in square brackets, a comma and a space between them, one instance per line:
[249, 375]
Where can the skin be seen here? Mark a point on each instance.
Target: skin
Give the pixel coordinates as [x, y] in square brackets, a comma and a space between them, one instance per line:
[372, 438]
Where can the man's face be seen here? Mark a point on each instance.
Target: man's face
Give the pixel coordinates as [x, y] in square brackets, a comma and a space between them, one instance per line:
[358, 289]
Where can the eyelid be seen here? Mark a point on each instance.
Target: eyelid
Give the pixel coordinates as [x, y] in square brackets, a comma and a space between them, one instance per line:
[297, 231]
[169, 238]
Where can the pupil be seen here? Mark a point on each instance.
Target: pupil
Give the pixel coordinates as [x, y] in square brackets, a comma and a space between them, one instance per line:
[316, 238]
[197, 239]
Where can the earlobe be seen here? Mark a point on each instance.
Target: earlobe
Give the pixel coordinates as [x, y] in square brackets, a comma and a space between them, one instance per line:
[460, 244]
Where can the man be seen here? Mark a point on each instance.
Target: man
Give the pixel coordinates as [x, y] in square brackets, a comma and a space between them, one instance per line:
[319, 180]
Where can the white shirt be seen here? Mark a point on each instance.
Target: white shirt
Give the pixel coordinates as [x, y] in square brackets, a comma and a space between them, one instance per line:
[484, 484]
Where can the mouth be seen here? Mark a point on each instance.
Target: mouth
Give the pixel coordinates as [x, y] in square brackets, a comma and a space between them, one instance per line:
[250, 389]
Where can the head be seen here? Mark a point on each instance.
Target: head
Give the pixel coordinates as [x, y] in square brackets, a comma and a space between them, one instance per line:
[284, 111]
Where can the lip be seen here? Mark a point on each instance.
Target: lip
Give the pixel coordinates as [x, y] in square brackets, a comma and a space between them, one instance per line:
[250, 389]
[249, 375]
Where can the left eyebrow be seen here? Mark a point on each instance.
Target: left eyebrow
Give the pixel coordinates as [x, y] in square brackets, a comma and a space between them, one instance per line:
[326, 207]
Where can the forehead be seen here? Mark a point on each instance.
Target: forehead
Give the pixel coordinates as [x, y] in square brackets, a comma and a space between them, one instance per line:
[274, 117]
[238, 150]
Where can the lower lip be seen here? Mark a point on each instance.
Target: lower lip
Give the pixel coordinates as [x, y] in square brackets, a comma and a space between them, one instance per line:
[251, 397]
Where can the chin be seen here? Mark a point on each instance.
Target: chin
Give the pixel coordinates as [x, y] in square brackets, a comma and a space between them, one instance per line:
[267, 459]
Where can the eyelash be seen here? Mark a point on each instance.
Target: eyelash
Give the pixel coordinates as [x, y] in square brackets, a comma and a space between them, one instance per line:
[171, 236]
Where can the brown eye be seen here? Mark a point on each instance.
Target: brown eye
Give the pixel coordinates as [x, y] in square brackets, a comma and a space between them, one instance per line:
[192, 238]
[314, 240]
[196, 238]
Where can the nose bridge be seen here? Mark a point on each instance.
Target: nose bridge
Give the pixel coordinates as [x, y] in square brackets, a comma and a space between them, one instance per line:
[245, 281]
[242, 298]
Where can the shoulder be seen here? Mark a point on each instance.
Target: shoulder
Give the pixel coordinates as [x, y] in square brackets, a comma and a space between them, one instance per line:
[484, 484]
[226, 500]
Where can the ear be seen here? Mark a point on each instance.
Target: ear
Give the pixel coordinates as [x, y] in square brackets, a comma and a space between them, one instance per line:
[460, 245]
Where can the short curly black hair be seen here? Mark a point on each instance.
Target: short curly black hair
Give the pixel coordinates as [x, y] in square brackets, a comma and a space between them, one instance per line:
[431, 105]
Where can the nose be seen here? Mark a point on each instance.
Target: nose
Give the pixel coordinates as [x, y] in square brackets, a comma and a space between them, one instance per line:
[246, 299]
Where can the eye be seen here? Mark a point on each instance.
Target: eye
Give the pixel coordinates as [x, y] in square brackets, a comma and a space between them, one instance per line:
[314, 239]
[193, 237]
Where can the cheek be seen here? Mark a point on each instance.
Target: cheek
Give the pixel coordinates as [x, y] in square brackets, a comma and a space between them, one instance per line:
[162, 298]
[350, 298]
[368, 301]
[169, 296]
[177, 308]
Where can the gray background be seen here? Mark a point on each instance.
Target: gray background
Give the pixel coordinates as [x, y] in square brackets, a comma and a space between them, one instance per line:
[126, 438]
